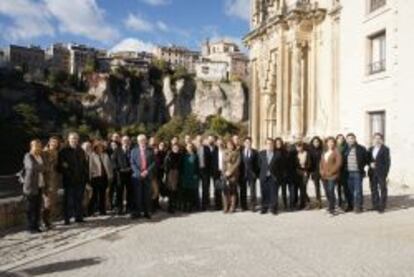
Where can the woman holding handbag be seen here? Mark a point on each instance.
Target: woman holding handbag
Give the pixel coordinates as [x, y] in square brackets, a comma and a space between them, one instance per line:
[34, 182]
[231, 172]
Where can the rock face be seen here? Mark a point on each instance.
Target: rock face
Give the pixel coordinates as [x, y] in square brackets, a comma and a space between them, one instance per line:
[128, 101]
[227, 99]
[124, 101]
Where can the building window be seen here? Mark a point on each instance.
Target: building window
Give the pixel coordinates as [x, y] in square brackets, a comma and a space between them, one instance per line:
[376, 123]
[377, 53]
[376, 4]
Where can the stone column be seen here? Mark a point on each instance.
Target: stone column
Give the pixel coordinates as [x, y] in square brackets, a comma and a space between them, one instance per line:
[286, 90]
[296, 99]
[279, 87]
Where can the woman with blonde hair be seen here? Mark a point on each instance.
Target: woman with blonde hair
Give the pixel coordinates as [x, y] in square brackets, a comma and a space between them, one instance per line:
[231, 171]
[34, 182]
[52, 180]
[101, 175]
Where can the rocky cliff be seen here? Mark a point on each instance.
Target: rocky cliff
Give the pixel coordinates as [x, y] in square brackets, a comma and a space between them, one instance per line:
[127, 100]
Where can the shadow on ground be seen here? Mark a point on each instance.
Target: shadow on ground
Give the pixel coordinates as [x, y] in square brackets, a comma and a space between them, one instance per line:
[56, 267]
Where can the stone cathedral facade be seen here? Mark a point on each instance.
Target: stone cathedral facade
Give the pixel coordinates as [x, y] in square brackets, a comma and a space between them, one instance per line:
[323, 67]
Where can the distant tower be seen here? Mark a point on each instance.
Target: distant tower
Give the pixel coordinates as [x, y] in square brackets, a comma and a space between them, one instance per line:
[205, 49]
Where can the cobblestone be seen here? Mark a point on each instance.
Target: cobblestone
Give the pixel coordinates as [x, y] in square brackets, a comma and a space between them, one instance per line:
[307, 243]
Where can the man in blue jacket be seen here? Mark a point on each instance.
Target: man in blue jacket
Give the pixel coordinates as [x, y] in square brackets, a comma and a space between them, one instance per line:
[143, 165]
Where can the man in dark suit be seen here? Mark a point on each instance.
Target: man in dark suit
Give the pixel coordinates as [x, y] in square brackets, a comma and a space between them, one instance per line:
[204, 158]
[355, 160]
[270, 163]
[379, 166]
[122, 165]
[250, 162]
[212, 155]
[73, 166]
[142, 165]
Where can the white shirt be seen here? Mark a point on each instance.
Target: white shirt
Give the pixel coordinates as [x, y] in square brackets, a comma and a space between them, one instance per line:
[327, 155]
[220, 159]
[375, 151]
[247, 153]
[200, 152]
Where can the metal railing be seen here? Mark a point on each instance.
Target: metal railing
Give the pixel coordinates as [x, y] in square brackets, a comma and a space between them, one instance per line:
[9, 187]
[377, 67]
[376, 4]
[298, 6]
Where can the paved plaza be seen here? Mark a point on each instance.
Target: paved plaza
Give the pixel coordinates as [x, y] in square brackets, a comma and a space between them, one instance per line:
[307, 243]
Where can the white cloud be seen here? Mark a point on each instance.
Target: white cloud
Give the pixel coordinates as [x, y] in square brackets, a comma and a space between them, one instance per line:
[238, 8]
[162, 26]
[138, 23]
[133, 44]
[28, 20]
[156, 2]
[83, 18]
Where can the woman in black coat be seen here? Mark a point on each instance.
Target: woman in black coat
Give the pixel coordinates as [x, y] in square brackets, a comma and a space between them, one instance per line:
[172, 171]
[315, 152]
[280, 147]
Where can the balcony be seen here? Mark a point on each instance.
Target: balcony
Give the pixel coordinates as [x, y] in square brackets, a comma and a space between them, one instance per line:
[377, 67]
[376, 4]
[298, 6]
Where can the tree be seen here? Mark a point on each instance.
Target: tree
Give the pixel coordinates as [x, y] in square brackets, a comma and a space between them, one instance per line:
[134, 130]
[90, 66]
[217, 125]
[173, 128]
[192, 126]
[180, 73]
[27, 116]
[57, 78]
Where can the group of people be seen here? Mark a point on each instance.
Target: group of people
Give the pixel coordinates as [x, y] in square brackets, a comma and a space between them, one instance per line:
[127, 177]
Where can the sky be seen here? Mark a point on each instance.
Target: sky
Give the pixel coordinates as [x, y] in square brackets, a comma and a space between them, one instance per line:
[122, 24]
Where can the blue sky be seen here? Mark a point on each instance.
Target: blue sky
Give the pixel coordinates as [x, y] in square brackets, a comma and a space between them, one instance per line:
[122, 24]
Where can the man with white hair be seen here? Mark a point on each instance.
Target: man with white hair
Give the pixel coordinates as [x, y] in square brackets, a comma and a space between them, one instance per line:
[142, 165]
[74, 168]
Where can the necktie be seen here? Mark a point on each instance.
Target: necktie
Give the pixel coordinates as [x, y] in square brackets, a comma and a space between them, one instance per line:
[143, 160]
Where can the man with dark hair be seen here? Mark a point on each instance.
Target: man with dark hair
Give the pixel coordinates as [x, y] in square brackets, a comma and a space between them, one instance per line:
[212, 154]
[204, 159]
[379, 166]
[122, 157]
[250, 162]
[355, 160]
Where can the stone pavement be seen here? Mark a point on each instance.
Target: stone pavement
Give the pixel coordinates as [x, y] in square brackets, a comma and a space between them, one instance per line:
[307, 243]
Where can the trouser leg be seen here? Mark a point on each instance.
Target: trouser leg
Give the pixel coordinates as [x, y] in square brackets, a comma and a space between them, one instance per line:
[253, 193]
[384, 193]
[243, 193]
[375, 192]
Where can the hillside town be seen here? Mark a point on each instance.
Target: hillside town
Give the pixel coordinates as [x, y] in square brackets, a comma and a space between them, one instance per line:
[218, 61]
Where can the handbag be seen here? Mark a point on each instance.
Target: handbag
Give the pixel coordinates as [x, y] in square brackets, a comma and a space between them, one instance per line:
[221, 183]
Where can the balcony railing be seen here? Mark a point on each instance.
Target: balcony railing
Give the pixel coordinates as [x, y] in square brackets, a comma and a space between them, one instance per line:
[376, 67]
[376, 4]
[298, 6]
